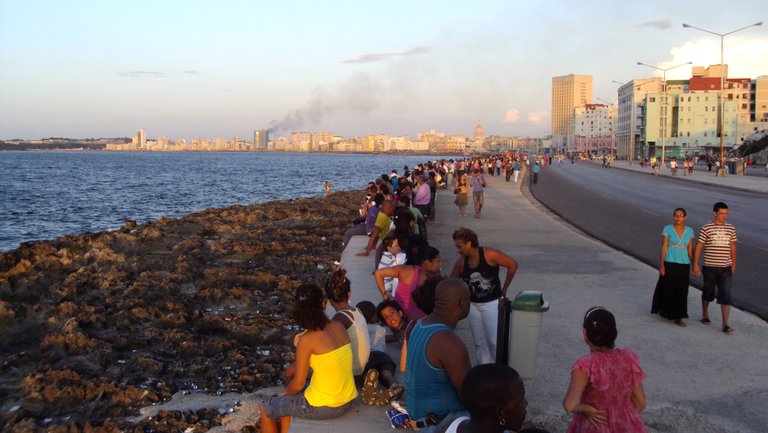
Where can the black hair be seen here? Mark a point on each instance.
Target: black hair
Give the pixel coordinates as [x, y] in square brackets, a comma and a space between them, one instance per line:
[427, 253]
[680, 209]
[378, 199]
[601, 327]
[719, 205]
[403, 219]
[368, 310]
[466, 235]
[387, 303]
[424, 295]
[486, 387]
[308, 309]
[337, 287]
[404, 199]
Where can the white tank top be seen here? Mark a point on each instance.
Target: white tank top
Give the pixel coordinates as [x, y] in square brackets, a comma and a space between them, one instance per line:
[358, 336]
[454, 426]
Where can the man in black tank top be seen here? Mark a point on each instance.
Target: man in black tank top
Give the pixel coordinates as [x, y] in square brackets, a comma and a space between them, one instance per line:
[479, 268]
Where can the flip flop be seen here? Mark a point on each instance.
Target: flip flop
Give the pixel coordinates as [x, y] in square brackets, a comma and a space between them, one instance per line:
[680, 323]
[705, 321]
[727, 329]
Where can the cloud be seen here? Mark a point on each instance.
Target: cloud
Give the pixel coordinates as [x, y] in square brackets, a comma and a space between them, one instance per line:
[538, 118]
[746, 56]
[376, 57]
[143, 74]
[190, 72]
[512, 116]
[659, 24]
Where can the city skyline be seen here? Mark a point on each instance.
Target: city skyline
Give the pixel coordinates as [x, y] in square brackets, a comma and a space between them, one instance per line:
[192, 69]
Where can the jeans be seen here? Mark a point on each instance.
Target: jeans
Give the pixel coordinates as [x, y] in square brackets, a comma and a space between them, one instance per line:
[483, 321]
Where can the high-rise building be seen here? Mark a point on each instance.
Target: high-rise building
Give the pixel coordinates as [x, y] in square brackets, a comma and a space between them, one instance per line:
[142, 139]
[260, 139]
[568, 92]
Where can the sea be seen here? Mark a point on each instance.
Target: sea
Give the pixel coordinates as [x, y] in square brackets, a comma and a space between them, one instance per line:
[44, 195]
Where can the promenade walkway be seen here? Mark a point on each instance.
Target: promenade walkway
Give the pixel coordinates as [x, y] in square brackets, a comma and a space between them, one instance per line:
[699, 379]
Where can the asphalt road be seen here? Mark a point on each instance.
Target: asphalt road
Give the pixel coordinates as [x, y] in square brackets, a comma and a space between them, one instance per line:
[628, 210]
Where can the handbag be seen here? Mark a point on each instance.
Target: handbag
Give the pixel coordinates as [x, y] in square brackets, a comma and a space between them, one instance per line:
[456, 190]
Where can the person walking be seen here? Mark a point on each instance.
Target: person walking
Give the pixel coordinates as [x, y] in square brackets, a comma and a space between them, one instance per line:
[536, 169]
[461, 189]
[718, 241]
[670, 299]
[478, 184]
[516, 168]
[479, 268]
[606, 390]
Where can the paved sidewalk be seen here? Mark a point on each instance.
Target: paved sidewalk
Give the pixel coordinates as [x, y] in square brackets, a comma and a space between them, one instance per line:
[699, 379]
[757, 184]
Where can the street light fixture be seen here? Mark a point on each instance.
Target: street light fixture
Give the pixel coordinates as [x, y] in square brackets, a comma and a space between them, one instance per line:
[663, 111]
[721, 124]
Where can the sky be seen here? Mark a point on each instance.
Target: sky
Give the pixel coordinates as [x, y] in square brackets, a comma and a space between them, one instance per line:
[223, 68]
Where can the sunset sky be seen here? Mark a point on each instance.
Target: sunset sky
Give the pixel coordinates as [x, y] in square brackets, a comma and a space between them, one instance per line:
[187, 69]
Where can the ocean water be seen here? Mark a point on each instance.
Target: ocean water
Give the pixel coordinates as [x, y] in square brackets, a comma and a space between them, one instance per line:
[44, 195]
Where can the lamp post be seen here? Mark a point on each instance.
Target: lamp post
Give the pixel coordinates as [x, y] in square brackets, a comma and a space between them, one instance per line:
[721, 123]
[663, 111]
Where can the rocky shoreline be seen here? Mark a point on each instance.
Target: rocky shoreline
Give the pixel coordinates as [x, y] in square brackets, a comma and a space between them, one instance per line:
[95, 326]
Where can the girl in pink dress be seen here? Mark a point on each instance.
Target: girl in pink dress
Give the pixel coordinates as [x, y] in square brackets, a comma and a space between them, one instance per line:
[606, 390]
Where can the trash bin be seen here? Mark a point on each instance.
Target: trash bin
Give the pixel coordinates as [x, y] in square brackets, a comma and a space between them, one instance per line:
[524, 330]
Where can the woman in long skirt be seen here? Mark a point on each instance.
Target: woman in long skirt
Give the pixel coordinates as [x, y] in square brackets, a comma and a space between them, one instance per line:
[670, 300]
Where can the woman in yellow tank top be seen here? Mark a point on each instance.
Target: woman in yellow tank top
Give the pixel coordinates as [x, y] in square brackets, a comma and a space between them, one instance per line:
[323, 346]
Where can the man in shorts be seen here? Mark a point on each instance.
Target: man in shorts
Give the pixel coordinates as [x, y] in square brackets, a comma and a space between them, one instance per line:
[718, 240]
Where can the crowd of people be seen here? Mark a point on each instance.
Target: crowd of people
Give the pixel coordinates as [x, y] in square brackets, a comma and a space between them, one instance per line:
[419, 310]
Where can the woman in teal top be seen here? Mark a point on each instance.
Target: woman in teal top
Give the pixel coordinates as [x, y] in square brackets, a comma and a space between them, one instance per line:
[670, 299]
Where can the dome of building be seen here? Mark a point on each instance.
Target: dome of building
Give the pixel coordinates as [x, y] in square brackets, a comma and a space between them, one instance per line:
[479, 131]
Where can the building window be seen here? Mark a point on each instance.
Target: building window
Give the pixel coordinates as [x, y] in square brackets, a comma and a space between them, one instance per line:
[651, 99]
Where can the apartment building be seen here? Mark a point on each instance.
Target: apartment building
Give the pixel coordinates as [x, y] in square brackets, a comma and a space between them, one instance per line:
[594, 129]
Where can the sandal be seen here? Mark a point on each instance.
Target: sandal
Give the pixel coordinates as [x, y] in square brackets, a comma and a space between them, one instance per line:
[680, 323]
[705, 320]
[369, 394]
[727, 329]
[395, 392]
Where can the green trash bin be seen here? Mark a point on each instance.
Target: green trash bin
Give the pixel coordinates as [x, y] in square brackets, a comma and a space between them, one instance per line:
[528, 309]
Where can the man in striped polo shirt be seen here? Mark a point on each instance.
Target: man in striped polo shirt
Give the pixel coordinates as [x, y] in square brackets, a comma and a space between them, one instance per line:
[718, 239]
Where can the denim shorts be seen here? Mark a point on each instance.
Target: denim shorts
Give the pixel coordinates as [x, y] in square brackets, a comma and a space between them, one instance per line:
[716, 278]
[297, 405]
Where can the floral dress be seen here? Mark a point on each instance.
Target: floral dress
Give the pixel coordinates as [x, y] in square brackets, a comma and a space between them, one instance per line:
[612, 377]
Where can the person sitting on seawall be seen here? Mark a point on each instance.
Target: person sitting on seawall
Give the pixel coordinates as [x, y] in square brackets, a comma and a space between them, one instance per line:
[337, 290]
[606, 390]
[424, 298]
[409, 277]
[494, 395]
[438, 361]
[324, 346]
[380, 366]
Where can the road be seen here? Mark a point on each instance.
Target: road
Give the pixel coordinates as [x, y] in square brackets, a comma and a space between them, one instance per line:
[627, 210]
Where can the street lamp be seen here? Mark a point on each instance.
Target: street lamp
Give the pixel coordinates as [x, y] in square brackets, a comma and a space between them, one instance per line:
[663, 111]
[721, 124]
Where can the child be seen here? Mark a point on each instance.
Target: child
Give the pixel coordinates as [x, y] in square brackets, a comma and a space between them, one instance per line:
[380, 366]
[606, 389]
[390, 313]
[392, 256]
